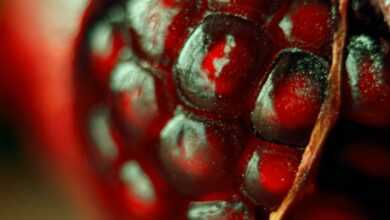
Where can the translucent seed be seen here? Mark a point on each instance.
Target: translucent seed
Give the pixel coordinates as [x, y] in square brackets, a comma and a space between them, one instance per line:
[197, 156]
[218, 210]
[290, 99]
[222, 56]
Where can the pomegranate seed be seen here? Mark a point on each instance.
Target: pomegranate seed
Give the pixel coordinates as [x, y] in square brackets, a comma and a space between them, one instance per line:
[105, 44]
[160, 27]
[311, 25]
[222, 56]
[143, 191]
[231, 69]
[197, 156]
[219, 210]
[367, 85]
[137, 101]
[276, 25]
[107, 149]
[303, 24]
[289, 102]
[268, 171]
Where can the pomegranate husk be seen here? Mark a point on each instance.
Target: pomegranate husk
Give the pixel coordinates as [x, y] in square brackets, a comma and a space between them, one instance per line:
[326, 120]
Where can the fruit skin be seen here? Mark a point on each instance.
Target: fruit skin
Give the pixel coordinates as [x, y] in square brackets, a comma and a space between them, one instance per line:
[36, 86]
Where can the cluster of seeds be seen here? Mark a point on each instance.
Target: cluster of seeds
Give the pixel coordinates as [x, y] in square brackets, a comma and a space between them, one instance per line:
[201, 109]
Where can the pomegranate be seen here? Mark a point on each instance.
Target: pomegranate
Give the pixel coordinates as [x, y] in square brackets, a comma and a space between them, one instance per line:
[212, 109]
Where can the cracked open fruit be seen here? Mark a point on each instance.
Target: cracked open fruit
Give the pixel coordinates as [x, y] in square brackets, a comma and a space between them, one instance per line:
[212, 109]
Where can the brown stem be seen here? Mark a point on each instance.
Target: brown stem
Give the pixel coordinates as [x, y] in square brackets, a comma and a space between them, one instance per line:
[325, 121]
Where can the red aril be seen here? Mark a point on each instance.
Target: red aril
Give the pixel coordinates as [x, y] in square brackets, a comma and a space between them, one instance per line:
[143, 192]
[138, 101]
[197, 156]
[223, 55]
[219, 210]
[290, 99]
[190, 154]
[367, 82]
[158, 28]
[311, 24]
[268, 171]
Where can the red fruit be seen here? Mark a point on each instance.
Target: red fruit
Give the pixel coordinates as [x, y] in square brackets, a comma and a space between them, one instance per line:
[174, 45]
[268, 171]
[367, 84]
[219, 66]
[197, 156]
[223, 55]
[289, 102]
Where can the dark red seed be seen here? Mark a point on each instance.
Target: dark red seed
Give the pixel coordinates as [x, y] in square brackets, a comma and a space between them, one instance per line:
[198, 156]
[367, 82]
[289, 102]
[268, 171]
[105, 44]
[275, 27]
[137, 102]
[288, 98]
[219, 210]
[144, 193]
[222, 56]
[311, 25]
[159, 27]
[209, 60]
[107, 149]
[306, 25]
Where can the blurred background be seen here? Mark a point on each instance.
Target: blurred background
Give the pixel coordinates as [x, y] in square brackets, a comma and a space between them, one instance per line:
[36, 33]
[25, 194]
